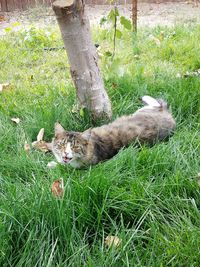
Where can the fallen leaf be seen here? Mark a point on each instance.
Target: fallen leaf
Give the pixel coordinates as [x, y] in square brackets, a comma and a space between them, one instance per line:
[178, 75]
[16, 24]
[4, 86]
[16, 120]
[198, 178]
[2, 18]
[40, 145]
[155, 40]
[114, 85]
[52, 164]
[192, 73]
[27, 147]
[189, 2]
[40, 135]
[114, 241]
[57, 188]
[136, 56]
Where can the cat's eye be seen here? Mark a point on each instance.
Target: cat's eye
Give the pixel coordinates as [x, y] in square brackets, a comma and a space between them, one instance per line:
[73, 142]
[76, 145]
[60, 144]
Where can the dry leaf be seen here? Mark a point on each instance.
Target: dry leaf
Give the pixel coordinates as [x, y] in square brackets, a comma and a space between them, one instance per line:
[178, 75]
[4, 86]
[195, 73]
[156, 40]
[40, 135]
[57, 188]
[162, 33]
[136, 56]
[52, 164]
[114, 241]
[40, 145]
[27, 147]
[198, 178]
[189, 2]
[2, 18]
[114, 85]
[16, 120]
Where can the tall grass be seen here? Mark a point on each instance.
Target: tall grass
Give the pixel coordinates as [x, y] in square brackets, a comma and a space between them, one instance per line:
[148, 197]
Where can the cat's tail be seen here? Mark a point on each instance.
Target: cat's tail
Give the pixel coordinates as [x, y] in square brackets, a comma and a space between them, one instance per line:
[152, 102]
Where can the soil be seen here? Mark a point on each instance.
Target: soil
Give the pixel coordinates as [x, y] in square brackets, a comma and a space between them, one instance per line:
[149, 14]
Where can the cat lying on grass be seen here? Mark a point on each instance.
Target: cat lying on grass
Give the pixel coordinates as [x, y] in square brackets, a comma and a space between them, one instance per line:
[149, 124]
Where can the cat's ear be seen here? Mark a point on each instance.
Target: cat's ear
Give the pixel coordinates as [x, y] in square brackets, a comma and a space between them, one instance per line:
[87, 134]
[58, 128]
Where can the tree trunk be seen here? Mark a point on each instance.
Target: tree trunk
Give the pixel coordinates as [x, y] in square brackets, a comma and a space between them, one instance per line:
[75, 29]
[134, 15]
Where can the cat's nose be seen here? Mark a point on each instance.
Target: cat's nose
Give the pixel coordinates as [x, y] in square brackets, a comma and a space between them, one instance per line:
[66, 154]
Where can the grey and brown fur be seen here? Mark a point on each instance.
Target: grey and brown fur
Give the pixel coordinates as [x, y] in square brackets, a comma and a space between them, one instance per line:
[149, 124]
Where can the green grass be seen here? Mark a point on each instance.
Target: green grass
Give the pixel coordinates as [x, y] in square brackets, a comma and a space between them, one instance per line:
[148, 197]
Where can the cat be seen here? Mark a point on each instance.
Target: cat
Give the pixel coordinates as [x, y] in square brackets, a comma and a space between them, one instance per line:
[149, 124]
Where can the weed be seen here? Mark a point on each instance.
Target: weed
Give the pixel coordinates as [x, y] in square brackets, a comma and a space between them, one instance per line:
[148, 196]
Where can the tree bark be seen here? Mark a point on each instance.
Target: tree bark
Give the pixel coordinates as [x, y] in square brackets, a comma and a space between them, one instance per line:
[82, 55]
[134, 15]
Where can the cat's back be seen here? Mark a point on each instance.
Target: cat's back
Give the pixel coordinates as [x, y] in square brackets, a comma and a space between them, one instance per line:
[147, 124]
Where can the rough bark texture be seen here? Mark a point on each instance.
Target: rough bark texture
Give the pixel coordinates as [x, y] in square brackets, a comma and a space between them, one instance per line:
[75, 29]
[134, 15]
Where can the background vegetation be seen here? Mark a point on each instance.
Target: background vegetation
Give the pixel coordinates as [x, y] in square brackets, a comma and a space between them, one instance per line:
[149, 197]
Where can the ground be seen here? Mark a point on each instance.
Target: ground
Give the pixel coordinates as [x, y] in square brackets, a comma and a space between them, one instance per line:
[148, 197]
[163, 14]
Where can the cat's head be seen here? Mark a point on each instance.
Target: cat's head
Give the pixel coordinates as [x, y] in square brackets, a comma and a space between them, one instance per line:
[69, 147]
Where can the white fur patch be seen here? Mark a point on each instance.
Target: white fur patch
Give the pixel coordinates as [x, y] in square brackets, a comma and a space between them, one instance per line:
[68, 150]
[75, 163]
[58, 157]
[150, 101]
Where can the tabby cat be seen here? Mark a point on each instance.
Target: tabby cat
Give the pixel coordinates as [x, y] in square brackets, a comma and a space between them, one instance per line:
[149, 124]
